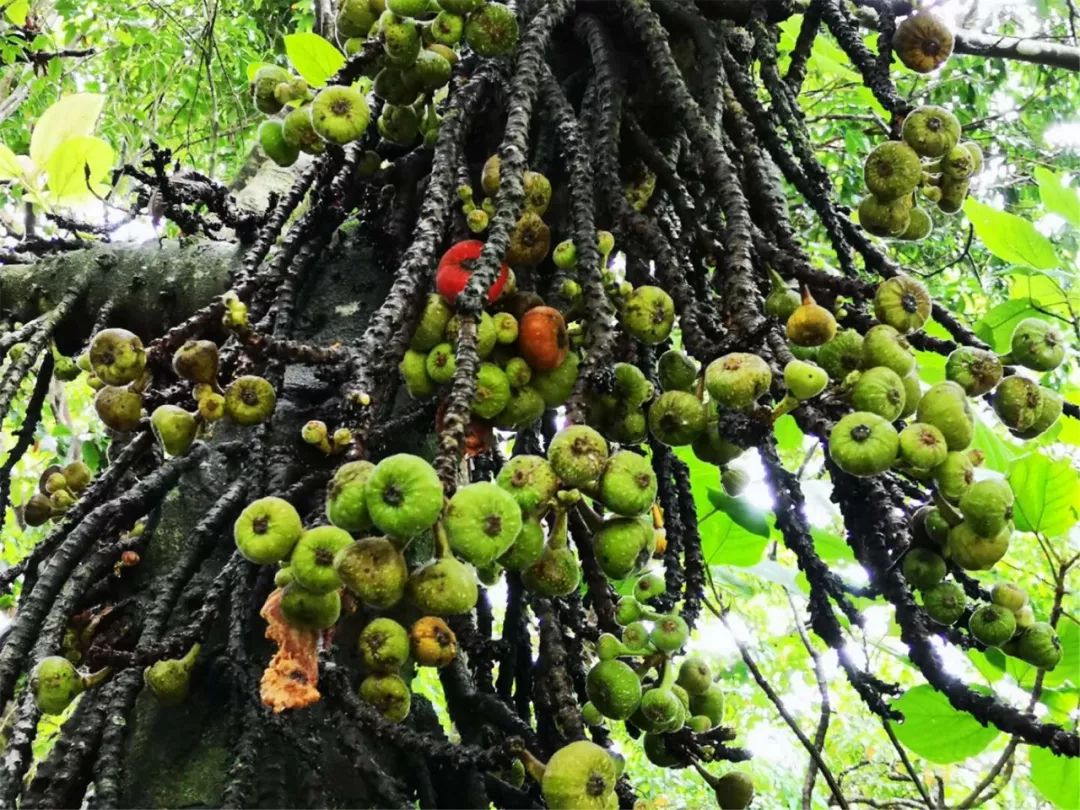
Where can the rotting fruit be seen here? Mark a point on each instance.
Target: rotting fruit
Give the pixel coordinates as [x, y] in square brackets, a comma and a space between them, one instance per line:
[432, 642]
[373, 569]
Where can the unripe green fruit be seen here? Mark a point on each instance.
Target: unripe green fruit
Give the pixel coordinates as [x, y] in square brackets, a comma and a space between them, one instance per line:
[931, 131]
[885, 217]
[1025, 617]
[657, 752]
[944, 603]
[782, 300]
[404, 495]
[283, 577]
[713, 448]
[447, 28]
[339, 114]
[977, 371]
[804, 380]
[389, 694]
[954, 475]
[384, 645]
[660, 711]
[880, 391]
[355, 18]
[414, 373]
[174, 428]
[635, 636]
[408, 8]
[958, 163]
[523, 409]
[923, 568]
[863, 444]
[443, 587]
[433, 321]
[619, 546]
[628, 484]
[884, 346]
[492, 391]
[556, 573]
[250, 400]
[1036, 344]
[922, 447]
[677, 418]
[346, 503]
[973, 552]
[1008, 596]
[310, 611]
[312, 559]
[492, 30]
[631, 385]
[695, 675]
[946, 407]
[266, 80]
[197, 361]
[841, 355]
[170, 680]
[273, 143]
[519, 374]
[537, 190]
[627, 610]
[737, 380]
[556, 386]
[903, 303]
[1050, 409]
[992, 625]
[648, 314]
[266, 530]
[401, 41]
[609, 647]
[77, 476]
[648, 586]
[580, 775]
[987, 506]
[614, 689]
[734, 791]
[1040, 646]
[892, 170]
[1018, 402]
[119, 408]
[482, 520]
[578, 455]
[920, 225]
[299, 132]
[953, 194]
[677, 371]
[532, 482]
[37, 510]
[527, 548]
[709, 703]
[54, 683]
[669, 633]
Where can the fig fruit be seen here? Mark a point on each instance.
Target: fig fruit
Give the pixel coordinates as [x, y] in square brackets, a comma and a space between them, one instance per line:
[443, 587]
[627, 610]
[923, 42]
[482, 520]
[628, 484]
[299, 133]
[614, 689]
[992, 625]
[945, 406]
[556, 386]
[695, 675]
[958, 163]
[432, 642]
[389, 694]
[580, 776]
[811, 324]
[492, 391]
[1008, 596]
[310, 611]
[542, 338]
[355, 18]
[945, 603]
[1050, 409]
[266, 530]
[920, 225]
[250, 400]
[892, 170]
[954, 475]
[734, 791]
[737, 380]
[532, 482]
[884, 346]
[782, 300]
[523, 409]
[54, 682]
[660, 711]
[931, 131]
[972, 552]
[578, 455]
[880, 391]
[922, 447]
[339, 114]
[903, 303]
[841, 355]
[266, 80]
[631, 385]
[530, 241]
[492, 30]
[527, 548]
[119, 408]
[383, 645]
[401, 41]
[923, 568]
[863, 444]
[170, 679]
[885, 217]
[676, 371]
[804, 380]
[709, 703]
[619, 544]
[197, 361]
[648, 314]
[346, 501]
[455, 269]
[312, 560]
[37, 510]
[676, 418]
[174, 428]
[555, 573]
[1039, 646]
[669, 633]
[1018, 402]
[404, 495]
[977, 371]
[987, 506]
[433, 320]
[1035, 344]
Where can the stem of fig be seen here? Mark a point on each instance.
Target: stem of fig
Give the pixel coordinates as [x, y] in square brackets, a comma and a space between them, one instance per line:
[442, 543]
[667, 678]
[95, 678]
[699, 392]
[557, 538]
[948, 511]
[710, 780]
[776, 281]
[188, 661]
[1007, 359]
[533, 766]
[787, 405]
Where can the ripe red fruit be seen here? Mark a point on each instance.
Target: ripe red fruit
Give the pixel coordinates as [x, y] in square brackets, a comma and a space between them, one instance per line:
[542, 338]
[456, 266]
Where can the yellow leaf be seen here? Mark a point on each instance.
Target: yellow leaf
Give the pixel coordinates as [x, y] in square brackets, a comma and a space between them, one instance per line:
[73, 162]
[70, 116]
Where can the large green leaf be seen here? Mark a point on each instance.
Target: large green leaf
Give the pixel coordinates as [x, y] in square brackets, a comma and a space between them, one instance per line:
[314, 58]
[1047, 494]
[16, 11]
[1059, 198]
[725, 542]
[998, 453]
[1056, 778]
[936, 731]
[830, 547]
[70, 116]
[1009, 237]
[76, 161]
[741, 511]
[1068, 668]
[9, 164]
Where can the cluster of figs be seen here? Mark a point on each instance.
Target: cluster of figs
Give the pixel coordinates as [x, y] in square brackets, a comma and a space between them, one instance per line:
[420, 42]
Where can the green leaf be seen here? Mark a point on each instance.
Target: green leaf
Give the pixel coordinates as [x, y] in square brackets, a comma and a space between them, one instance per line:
[830, 547]
[17, 10]
[991, 664]
[999, 453]
[1009, 237]
[9, 164]
[788, 434]
[70, 116]
[74, 162]
[741, 511]
[314, 58]
[725, 542]
[1058, 198]
[1056, 778]
[1047, 494]
[996, 326]
[1068, 668]
[936, 731]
